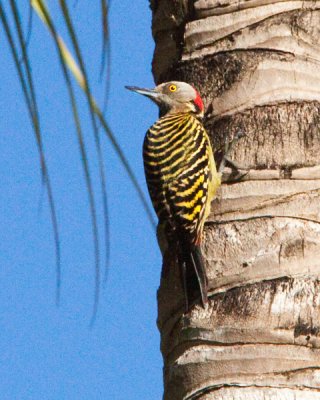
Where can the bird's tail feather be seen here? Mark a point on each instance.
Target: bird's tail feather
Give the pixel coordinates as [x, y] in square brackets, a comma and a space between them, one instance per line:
[193, 274]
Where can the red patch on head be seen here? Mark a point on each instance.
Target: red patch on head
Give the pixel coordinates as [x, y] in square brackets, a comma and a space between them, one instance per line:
[198, 101]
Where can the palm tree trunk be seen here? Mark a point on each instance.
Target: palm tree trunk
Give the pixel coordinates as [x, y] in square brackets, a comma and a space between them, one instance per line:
[257, 66]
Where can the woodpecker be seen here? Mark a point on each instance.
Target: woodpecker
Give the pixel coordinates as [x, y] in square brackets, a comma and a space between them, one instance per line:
[182, 178]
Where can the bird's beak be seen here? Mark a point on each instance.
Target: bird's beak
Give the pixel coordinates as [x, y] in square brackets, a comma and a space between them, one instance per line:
[151, 93]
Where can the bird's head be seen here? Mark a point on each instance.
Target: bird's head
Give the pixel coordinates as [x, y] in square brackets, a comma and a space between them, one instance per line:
[174, 97]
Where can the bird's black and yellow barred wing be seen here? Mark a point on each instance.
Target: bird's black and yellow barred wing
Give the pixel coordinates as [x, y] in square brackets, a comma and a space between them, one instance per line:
[181, 174]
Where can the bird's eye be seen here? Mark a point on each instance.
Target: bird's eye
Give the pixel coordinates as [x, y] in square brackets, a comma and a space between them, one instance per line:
[172, 88]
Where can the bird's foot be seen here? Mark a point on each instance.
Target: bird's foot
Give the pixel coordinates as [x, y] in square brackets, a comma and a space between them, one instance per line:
[226, 161]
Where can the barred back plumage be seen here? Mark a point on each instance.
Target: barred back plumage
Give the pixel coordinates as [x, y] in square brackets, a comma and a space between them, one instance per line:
[182, 180]
[181, 173]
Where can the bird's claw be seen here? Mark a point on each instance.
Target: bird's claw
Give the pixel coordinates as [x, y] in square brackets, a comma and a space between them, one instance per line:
[227, 150]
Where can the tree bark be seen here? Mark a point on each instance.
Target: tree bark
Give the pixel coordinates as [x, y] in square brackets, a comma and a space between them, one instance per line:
[256, 64]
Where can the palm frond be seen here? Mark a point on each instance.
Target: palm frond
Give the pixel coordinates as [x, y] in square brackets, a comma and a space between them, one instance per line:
[89, 98]
[105, 53]
[61, 49]
[80, 79]
[76, 68]
[31, 102]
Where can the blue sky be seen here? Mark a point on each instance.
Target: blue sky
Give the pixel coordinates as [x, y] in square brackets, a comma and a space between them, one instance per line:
[49, 352]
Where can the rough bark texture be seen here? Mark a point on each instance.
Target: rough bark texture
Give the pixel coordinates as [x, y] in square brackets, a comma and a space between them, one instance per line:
[256, 64]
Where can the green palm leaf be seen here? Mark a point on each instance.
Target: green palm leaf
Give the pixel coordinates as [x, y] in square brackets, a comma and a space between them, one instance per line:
[70, 68]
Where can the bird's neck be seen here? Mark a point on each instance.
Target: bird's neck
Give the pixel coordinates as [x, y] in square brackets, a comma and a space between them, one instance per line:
[174, 111]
